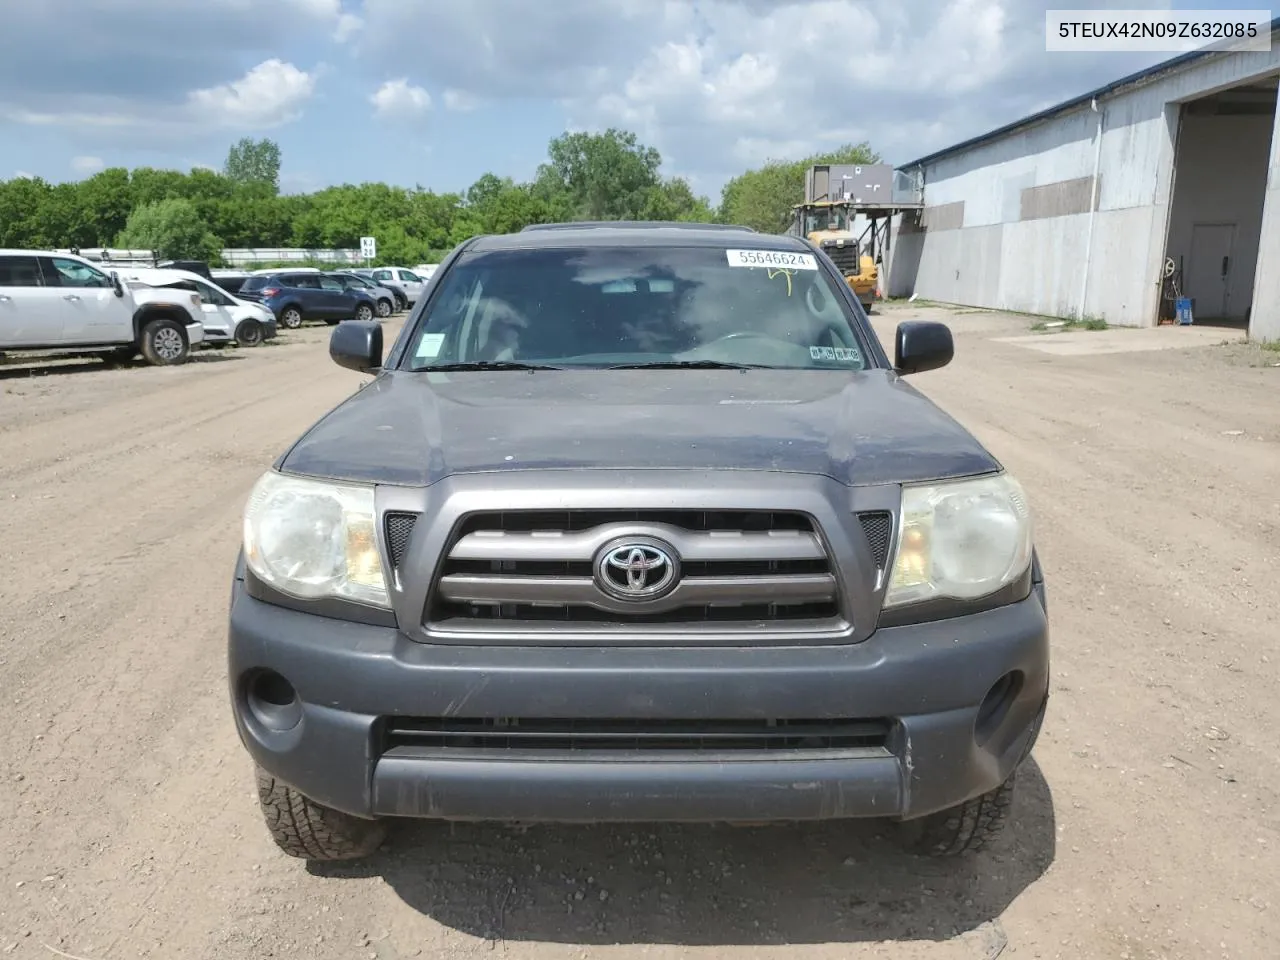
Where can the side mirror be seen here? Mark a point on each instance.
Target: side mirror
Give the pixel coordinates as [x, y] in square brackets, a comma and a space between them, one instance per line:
[116, 285]
[922, 345]
[357, 345]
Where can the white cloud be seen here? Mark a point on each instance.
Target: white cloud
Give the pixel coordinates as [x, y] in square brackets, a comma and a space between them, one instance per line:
[348, 26]
[460, 101]
[87, 165]
[400, 100]
[270, 94]
[725, 84]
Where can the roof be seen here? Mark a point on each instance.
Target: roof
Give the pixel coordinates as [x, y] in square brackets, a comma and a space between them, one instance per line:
[635, 234]
[1173, 63]
[634, 225]
[161, 275]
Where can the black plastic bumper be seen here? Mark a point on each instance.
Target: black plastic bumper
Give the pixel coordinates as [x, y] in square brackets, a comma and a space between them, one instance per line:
[930, 681]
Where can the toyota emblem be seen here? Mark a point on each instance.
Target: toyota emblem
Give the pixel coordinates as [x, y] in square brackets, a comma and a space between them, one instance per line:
[637, 569]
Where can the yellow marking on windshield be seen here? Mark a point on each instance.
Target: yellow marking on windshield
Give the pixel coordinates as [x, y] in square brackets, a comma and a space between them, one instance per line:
[786, 272]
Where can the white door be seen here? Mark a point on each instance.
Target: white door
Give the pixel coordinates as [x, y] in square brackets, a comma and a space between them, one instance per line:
[1209, 268]
[31, 314]
[218, 317]
[92, 313]
[412, 284]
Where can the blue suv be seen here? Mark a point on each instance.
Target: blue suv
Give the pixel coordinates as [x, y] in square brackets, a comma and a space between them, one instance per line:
[298, 297]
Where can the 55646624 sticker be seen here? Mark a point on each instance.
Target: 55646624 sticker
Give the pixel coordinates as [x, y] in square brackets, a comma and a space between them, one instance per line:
[771, 258]
[842, 354]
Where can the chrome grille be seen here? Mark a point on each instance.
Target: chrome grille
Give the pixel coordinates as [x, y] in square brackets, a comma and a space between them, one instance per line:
[739, 569]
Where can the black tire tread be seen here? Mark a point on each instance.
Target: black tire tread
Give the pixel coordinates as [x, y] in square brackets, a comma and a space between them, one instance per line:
[303, 828]
[966, 828]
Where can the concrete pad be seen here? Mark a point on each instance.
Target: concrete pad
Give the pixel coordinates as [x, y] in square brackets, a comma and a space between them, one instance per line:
[1083, 343]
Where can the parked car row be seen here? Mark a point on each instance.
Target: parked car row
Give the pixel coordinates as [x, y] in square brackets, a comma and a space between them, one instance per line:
[62, 302]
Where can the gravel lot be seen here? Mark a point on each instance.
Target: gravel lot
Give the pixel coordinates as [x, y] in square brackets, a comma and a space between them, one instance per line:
[1148, 827]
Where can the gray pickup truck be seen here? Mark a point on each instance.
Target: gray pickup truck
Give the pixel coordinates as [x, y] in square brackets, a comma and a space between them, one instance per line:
[637, 522]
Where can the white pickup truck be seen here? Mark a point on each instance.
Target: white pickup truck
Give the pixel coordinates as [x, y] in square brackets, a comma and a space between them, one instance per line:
[64, 303]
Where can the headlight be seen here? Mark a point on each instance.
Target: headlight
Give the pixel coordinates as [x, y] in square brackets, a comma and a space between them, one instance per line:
[960, 540]
[312, 539]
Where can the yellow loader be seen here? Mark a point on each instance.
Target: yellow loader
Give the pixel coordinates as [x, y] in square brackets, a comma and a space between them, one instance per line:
[829, 225]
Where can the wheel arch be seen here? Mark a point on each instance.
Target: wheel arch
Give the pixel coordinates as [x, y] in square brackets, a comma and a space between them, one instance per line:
[159, 311]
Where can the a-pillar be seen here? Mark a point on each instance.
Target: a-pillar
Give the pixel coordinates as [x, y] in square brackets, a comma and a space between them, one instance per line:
[1264, 319]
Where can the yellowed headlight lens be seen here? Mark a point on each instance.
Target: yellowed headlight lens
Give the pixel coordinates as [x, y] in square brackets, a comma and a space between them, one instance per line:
[364, 564]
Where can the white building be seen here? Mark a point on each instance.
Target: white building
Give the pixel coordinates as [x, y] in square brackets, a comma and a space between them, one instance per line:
[1077, 210]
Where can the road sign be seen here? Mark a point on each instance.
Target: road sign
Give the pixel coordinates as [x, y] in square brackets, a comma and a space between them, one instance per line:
[368, 248]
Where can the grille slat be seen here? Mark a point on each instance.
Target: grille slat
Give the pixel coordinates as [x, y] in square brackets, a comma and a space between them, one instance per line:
[742, 567]
[845, 258]
[521, 736]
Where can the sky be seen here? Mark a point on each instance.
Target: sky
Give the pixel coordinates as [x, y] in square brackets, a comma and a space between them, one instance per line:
[434, 93]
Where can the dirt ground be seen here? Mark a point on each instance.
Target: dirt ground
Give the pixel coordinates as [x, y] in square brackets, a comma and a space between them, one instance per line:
[1148, 827]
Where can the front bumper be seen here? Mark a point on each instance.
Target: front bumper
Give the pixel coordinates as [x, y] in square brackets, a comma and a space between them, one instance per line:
[195, 334]
[927, 682]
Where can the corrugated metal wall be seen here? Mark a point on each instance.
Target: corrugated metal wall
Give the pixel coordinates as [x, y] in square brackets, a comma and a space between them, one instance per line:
[1007, 222]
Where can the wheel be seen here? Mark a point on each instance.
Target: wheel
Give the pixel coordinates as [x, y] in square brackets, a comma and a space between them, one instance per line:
[249, 333]
[402, 303]
[364, 312]
[303, 828]
[164, 342]
[961, 829]
[291, 319]
[384, 308]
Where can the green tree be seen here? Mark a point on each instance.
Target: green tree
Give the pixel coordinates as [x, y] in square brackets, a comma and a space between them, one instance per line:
[21, 201]
[254, 163]
[606, 176]
[106, 200]
[674, 199]
[171, 228]
[763, 198]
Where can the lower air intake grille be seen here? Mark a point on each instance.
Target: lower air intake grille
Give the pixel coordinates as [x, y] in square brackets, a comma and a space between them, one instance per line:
[460, 736]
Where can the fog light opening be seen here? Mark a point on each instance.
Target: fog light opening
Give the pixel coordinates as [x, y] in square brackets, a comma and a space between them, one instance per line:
[273, 701]
[995, 706]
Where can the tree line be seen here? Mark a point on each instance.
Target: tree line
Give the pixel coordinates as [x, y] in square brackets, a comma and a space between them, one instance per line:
[194, 215]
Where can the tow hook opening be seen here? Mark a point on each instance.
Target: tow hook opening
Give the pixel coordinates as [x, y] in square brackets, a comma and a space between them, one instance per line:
[273, 701]
[995, 706]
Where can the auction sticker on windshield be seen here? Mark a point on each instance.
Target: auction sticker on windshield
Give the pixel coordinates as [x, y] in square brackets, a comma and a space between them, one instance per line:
[771, 258]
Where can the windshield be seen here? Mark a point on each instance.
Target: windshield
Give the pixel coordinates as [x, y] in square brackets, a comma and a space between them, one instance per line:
[830, 219]
[638, 305]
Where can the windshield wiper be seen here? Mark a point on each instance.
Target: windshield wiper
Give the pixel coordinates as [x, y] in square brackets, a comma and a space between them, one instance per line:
[487, 365]
[688, 365]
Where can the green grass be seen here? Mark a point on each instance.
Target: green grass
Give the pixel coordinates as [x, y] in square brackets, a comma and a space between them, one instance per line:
[1072, 323]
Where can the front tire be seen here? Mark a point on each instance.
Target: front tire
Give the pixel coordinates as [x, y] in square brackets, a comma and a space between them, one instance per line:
[249, 333]
[384, 308]
[303, 828]
[965, 828]
[364, 312]
[164, 342]
[291, 318]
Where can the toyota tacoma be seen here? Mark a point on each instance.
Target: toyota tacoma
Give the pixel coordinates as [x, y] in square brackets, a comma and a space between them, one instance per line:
[637, 522]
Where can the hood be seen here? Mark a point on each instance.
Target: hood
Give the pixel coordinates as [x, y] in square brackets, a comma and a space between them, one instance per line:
[418, 428]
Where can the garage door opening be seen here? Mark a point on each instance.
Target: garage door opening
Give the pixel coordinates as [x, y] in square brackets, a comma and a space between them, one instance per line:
[1215, 218]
